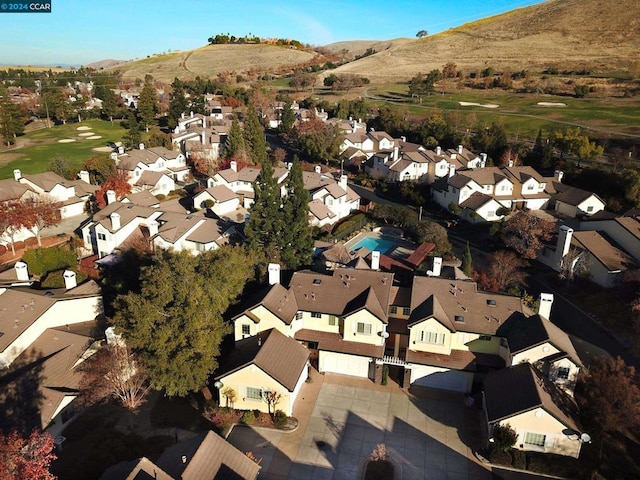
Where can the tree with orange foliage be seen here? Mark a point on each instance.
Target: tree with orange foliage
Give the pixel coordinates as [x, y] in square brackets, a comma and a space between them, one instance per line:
[118, 183]
[11, 221]
[506, 269]
[26, 458]
[38, 213]
[526, 233]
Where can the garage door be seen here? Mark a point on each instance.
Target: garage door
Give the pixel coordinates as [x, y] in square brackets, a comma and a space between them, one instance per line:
[345, 364]
[445, 380]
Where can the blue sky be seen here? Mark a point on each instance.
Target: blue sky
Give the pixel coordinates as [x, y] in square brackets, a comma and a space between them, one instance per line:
[83, 31]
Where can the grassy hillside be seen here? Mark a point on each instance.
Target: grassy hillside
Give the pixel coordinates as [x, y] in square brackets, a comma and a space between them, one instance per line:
[210, 60]
[597, 35]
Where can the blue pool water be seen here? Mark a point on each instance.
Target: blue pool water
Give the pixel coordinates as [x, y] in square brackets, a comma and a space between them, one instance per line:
[374, 243]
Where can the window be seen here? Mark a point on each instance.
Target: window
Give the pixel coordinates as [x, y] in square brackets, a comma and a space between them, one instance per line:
[562, 373]
[431, 337]
[530, 186]
[406, 311]
[246, 329]
[102, 236]
[364, 328]
[316, 315]
[485, 338]
[333, 321]
[459, 318]
[392, 309]
[590, 208]
[503, 188]
[535, 439]
[201, 247]
[254, 393]
[298, 315]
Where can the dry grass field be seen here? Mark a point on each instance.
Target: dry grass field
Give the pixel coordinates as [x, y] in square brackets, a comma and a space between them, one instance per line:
[598, 35]
[210, 60]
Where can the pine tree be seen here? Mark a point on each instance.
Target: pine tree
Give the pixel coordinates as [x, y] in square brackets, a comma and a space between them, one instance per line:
[177, 103]
[133, 137]
[287, 120]
[467, 262]
[265, 225]
[297, 242]
[110, 103]
[11, 123]
[234, 146]
[148, 103]
[254, 136]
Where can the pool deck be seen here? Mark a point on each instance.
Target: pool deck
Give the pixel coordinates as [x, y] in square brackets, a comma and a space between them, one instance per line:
[403, 248]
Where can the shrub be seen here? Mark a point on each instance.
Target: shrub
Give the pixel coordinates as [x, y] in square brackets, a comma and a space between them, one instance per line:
[160, 197]
[44, 260]
[385, 374]
[500, 457]
[504, 437]
[208, 203]
[280, 418]
[455, 208]
[248, 417]
[519, 459]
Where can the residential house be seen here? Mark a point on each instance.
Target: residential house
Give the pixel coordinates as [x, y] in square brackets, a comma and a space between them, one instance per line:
[331, 201]
[156, 160]
[194, 233]
[200, 135]
[156, 183]
[266, 362]
[623, 230]
[206, 456]
[544, 418]
[341, 317]
[604, 261]
[571, 201]
[224, 201]
[45, 335]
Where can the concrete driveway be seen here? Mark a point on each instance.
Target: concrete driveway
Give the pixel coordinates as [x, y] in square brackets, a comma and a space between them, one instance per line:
[429, 433]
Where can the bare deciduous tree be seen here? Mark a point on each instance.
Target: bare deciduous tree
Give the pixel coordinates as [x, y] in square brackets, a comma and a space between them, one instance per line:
[113, 372]
[272, 398]
[574, 263]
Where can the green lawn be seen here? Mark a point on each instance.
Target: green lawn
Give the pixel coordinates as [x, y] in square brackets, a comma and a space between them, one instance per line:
[520, 113]
[35, 150]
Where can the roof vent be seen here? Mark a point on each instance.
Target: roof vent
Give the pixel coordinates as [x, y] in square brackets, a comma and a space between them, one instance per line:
[459, 318]
[317, 281]
[491, 302]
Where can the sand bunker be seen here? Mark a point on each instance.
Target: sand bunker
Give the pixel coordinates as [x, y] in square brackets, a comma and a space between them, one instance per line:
[102, 149]
[66, 140]
[83, 128]
[473, 104]
[86, 134]
[94, 137]
[552, 104]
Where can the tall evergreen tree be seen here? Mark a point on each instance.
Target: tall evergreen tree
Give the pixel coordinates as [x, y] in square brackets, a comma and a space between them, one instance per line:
[467, 262]
[177, 103]
[265, 225]
[11, 123]
[287, 120]
[297, 242]
[234, 146]
[133, 137]
[110, 103]
[148, 102]
[254, 136]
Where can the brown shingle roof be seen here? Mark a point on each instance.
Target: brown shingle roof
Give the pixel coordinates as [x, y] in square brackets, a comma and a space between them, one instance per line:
[143, 199]
[602, 249]
[209, 457]
[12, 190]
[280, 357]
[333, 342]
[46, 180]
[521, 388]
[278, 300]
[476, 200]
[18, 310]
[458, 359]
[483, 312]
[208, 231]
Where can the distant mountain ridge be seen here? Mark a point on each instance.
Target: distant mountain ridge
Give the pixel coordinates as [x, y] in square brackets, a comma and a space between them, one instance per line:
[103, 64]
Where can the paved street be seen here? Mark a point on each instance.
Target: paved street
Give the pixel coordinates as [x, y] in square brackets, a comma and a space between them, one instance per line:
[430, 434]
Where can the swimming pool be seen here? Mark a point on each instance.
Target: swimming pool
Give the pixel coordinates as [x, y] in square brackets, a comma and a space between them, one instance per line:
[378, 244]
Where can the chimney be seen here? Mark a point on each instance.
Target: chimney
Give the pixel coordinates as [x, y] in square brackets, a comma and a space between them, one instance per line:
[564, 241]
[69, 279]
[546, 300]
[184, 459]
[317, 169]
[483, 160]
[274, 273]
[141, 146]
[454, 156]
[343, 182]
[153, 228]
[182, 115]
[111, 197]
[452, 170]
[396, 151]
[233, 165]
[375, 260]
[203, 136]
[404, 139]
[460, 147]
[84, 176]
[22, 272]
[115, 221]
[438, 150]
[17, 175]
[191, 113]
[371, 130]
[558, 174]
[437, 266]
[120, 150]
[510, 163]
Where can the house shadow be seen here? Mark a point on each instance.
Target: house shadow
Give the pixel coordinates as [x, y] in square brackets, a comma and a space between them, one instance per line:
[20, 394]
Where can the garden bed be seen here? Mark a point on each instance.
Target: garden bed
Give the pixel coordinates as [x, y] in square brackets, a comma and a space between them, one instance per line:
[223, 418]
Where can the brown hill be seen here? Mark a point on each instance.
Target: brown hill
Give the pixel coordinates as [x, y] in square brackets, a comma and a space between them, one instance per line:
[597, 35]
[210, 60]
